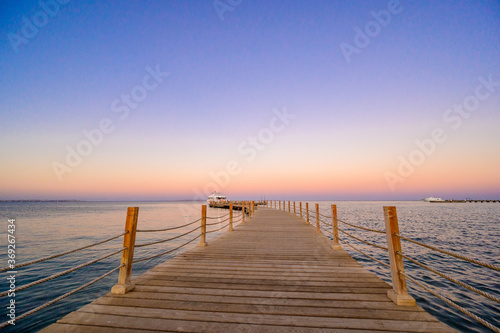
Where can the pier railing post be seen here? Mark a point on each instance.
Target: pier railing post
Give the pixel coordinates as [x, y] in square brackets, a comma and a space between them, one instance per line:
[243, 211]
[289, 206]
[398, 294]
[203, 226]
[125, 284]
[318, 230]
[335, 229]
[300, 208]
[307, 212]
[294, 213]
[230, 217]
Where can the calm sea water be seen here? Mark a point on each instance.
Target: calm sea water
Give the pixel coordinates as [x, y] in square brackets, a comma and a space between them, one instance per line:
[43, 229]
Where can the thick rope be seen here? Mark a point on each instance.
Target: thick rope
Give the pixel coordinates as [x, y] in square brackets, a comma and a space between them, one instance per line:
[328, 217]
[456, 255]
[209, 232]
[218, 222]
[325, 223]
[166, 252]
[62, 254]
[168, 229]
[41, 307]
[34, 283]
[449, 278]
[168, 239]
[360, 227]
[218, 217]
[453, 304]
[363, 241]
[369, 256]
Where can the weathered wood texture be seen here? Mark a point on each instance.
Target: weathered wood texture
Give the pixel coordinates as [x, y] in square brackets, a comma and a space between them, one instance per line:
[271, 274]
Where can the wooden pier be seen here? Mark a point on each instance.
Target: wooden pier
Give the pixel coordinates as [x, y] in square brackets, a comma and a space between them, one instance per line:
[274, 273]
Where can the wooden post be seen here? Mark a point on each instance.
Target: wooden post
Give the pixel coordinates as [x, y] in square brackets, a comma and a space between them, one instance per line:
[300, 208]
[335, 229]
[203, 226]
[243, 211]
[294, 213]
[230, 217]
[289, 206]
[399, 293]
[307, 212]
[318, 230]
[125, 284]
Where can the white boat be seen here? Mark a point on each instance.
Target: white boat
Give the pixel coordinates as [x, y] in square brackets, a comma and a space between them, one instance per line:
[432, 199]
[216, 198]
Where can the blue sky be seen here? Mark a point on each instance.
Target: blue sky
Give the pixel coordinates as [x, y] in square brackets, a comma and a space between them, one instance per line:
[226, 77]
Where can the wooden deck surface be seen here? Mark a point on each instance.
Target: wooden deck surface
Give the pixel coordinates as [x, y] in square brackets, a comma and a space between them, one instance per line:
[272, 274]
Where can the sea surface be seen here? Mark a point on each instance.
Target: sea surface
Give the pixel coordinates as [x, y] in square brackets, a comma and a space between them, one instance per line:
[47, 228]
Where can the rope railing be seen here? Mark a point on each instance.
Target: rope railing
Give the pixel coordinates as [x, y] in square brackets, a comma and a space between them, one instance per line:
[169, 251]
[363, 241]
[218, 222]
[453, 254]
[449, 278]
[218, 229]
[452, 304]
[217, 217]
[363, 228]
[36, 261]
[34, 283]
[169, 229]
[168, 239]
[367, 255]
[326, 223]
[325, 216]
[41, 307]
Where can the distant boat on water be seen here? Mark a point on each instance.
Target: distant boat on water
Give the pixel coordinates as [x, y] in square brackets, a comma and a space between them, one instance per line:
[432, 199]
[216, 198]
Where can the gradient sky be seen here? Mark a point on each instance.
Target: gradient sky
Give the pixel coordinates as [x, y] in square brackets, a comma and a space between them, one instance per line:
[356, 119]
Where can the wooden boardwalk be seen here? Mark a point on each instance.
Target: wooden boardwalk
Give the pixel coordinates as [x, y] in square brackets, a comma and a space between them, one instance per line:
[272, 274]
